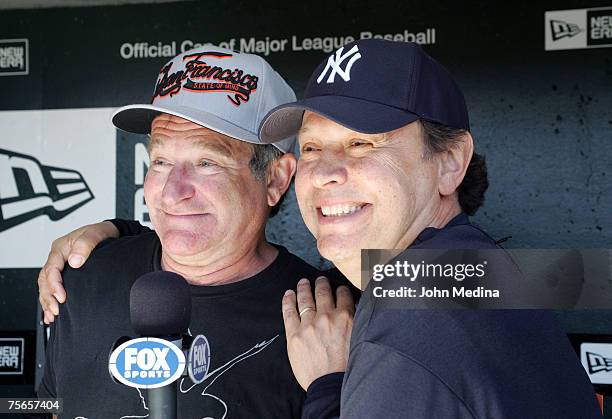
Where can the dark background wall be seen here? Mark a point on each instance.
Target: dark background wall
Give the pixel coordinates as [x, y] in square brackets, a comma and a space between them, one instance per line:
[542, 118]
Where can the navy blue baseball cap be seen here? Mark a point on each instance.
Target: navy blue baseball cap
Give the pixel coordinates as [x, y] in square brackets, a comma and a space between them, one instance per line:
[373, 86]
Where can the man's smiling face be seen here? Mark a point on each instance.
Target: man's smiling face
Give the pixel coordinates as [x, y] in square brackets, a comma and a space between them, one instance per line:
[363, 191]
[202, 196]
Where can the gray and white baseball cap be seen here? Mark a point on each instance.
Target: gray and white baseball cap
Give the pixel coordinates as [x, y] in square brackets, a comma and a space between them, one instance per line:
[227, 91]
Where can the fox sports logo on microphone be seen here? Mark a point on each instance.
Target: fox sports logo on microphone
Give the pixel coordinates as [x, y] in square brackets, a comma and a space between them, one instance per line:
[147, 363]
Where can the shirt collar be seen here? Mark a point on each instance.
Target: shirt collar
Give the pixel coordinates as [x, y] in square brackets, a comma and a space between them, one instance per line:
[430, 232]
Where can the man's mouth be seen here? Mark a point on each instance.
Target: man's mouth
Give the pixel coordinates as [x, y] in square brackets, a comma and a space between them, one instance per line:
[185, 215]
[341, 210]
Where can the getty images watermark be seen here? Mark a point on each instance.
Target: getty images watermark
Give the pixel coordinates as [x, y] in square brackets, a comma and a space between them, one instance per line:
[490, 278]
[412, 272]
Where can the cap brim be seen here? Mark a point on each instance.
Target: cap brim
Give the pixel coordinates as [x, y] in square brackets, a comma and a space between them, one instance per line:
[138, 119]
[367, 117]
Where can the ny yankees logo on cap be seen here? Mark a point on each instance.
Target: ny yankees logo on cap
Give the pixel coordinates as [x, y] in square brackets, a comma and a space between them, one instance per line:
[334, 61]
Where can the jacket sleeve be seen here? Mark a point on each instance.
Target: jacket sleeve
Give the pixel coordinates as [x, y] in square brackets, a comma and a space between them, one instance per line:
[383, 383]
[323, 397]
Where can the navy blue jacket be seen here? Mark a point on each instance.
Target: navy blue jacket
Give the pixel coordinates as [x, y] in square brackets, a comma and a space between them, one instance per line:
[455, 363]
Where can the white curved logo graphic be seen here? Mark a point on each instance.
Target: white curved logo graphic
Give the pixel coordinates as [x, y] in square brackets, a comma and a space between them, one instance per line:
[147, 363]
[29, 189]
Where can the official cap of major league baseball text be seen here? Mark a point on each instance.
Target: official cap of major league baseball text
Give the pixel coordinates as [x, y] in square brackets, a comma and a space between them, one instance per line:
[373, 86]
[224, 90]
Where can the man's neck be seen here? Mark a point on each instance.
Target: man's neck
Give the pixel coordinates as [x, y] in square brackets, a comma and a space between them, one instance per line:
[351, 269]
[444, 214]
[238, 265]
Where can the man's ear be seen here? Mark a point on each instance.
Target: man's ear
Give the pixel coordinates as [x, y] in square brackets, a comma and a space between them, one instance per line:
[453, 163]
[280, 173]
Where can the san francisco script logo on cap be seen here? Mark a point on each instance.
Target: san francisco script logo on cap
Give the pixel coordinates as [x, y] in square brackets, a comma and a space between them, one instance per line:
[198, 76]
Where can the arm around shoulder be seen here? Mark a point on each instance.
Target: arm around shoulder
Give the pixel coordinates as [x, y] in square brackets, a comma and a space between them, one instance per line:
[129, 227]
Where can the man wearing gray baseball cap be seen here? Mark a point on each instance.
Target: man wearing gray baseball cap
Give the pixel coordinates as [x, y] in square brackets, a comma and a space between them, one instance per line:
[209, 190]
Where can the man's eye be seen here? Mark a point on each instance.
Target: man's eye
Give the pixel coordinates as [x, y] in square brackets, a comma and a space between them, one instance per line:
[309, 147]
[359, 143]
[206, 163]
[158, 162]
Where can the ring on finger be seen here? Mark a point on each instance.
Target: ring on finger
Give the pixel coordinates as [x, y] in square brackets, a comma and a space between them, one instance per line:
[304, 310]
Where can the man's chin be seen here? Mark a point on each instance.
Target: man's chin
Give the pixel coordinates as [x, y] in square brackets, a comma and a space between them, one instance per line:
[182, 243]
[339, 249]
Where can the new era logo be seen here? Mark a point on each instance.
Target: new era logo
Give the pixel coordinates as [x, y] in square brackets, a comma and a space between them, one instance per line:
[578, 28]
[560, 29]
[11, 356]
[29, 189]
[596, 359]
[598, 363]
[334, 63]
[14, 60]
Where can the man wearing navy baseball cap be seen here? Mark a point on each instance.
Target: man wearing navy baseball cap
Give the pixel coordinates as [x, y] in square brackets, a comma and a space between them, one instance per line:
[387, 162]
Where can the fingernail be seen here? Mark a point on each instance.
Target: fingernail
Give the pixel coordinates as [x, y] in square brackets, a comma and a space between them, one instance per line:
[75, 260]
[57, 297]
[288, 292]
[303, 281]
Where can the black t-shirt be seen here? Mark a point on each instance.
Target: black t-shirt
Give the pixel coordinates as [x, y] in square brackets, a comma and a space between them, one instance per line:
[335, 277]
[249, 374]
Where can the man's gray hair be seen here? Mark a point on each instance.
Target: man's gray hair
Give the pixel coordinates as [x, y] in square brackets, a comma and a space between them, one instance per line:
[263, 156]
[439, 138]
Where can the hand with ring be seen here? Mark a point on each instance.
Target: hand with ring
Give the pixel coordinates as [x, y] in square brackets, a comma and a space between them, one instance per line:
[318, 332]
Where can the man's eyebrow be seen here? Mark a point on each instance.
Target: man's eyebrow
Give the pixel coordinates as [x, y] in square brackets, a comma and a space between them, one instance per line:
[215, 148]
[153, 143]
[374, 137]
[383, 136]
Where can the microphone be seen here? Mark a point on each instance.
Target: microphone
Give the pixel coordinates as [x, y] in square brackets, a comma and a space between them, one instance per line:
[160, 305]
[160, 312]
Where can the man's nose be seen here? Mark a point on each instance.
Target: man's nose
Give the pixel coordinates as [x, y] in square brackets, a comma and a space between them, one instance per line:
[330, 170]
[179, 185]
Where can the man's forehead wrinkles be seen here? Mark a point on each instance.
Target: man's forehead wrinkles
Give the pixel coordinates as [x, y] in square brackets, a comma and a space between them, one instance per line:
[216, 146]
[163, 120]
[345, 134]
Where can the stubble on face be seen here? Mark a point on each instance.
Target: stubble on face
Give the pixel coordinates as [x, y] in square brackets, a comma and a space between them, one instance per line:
[205, 203]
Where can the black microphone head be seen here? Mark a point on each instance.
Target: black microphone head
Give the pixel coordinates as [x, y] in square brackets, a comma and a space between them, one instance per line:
[160, 304]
